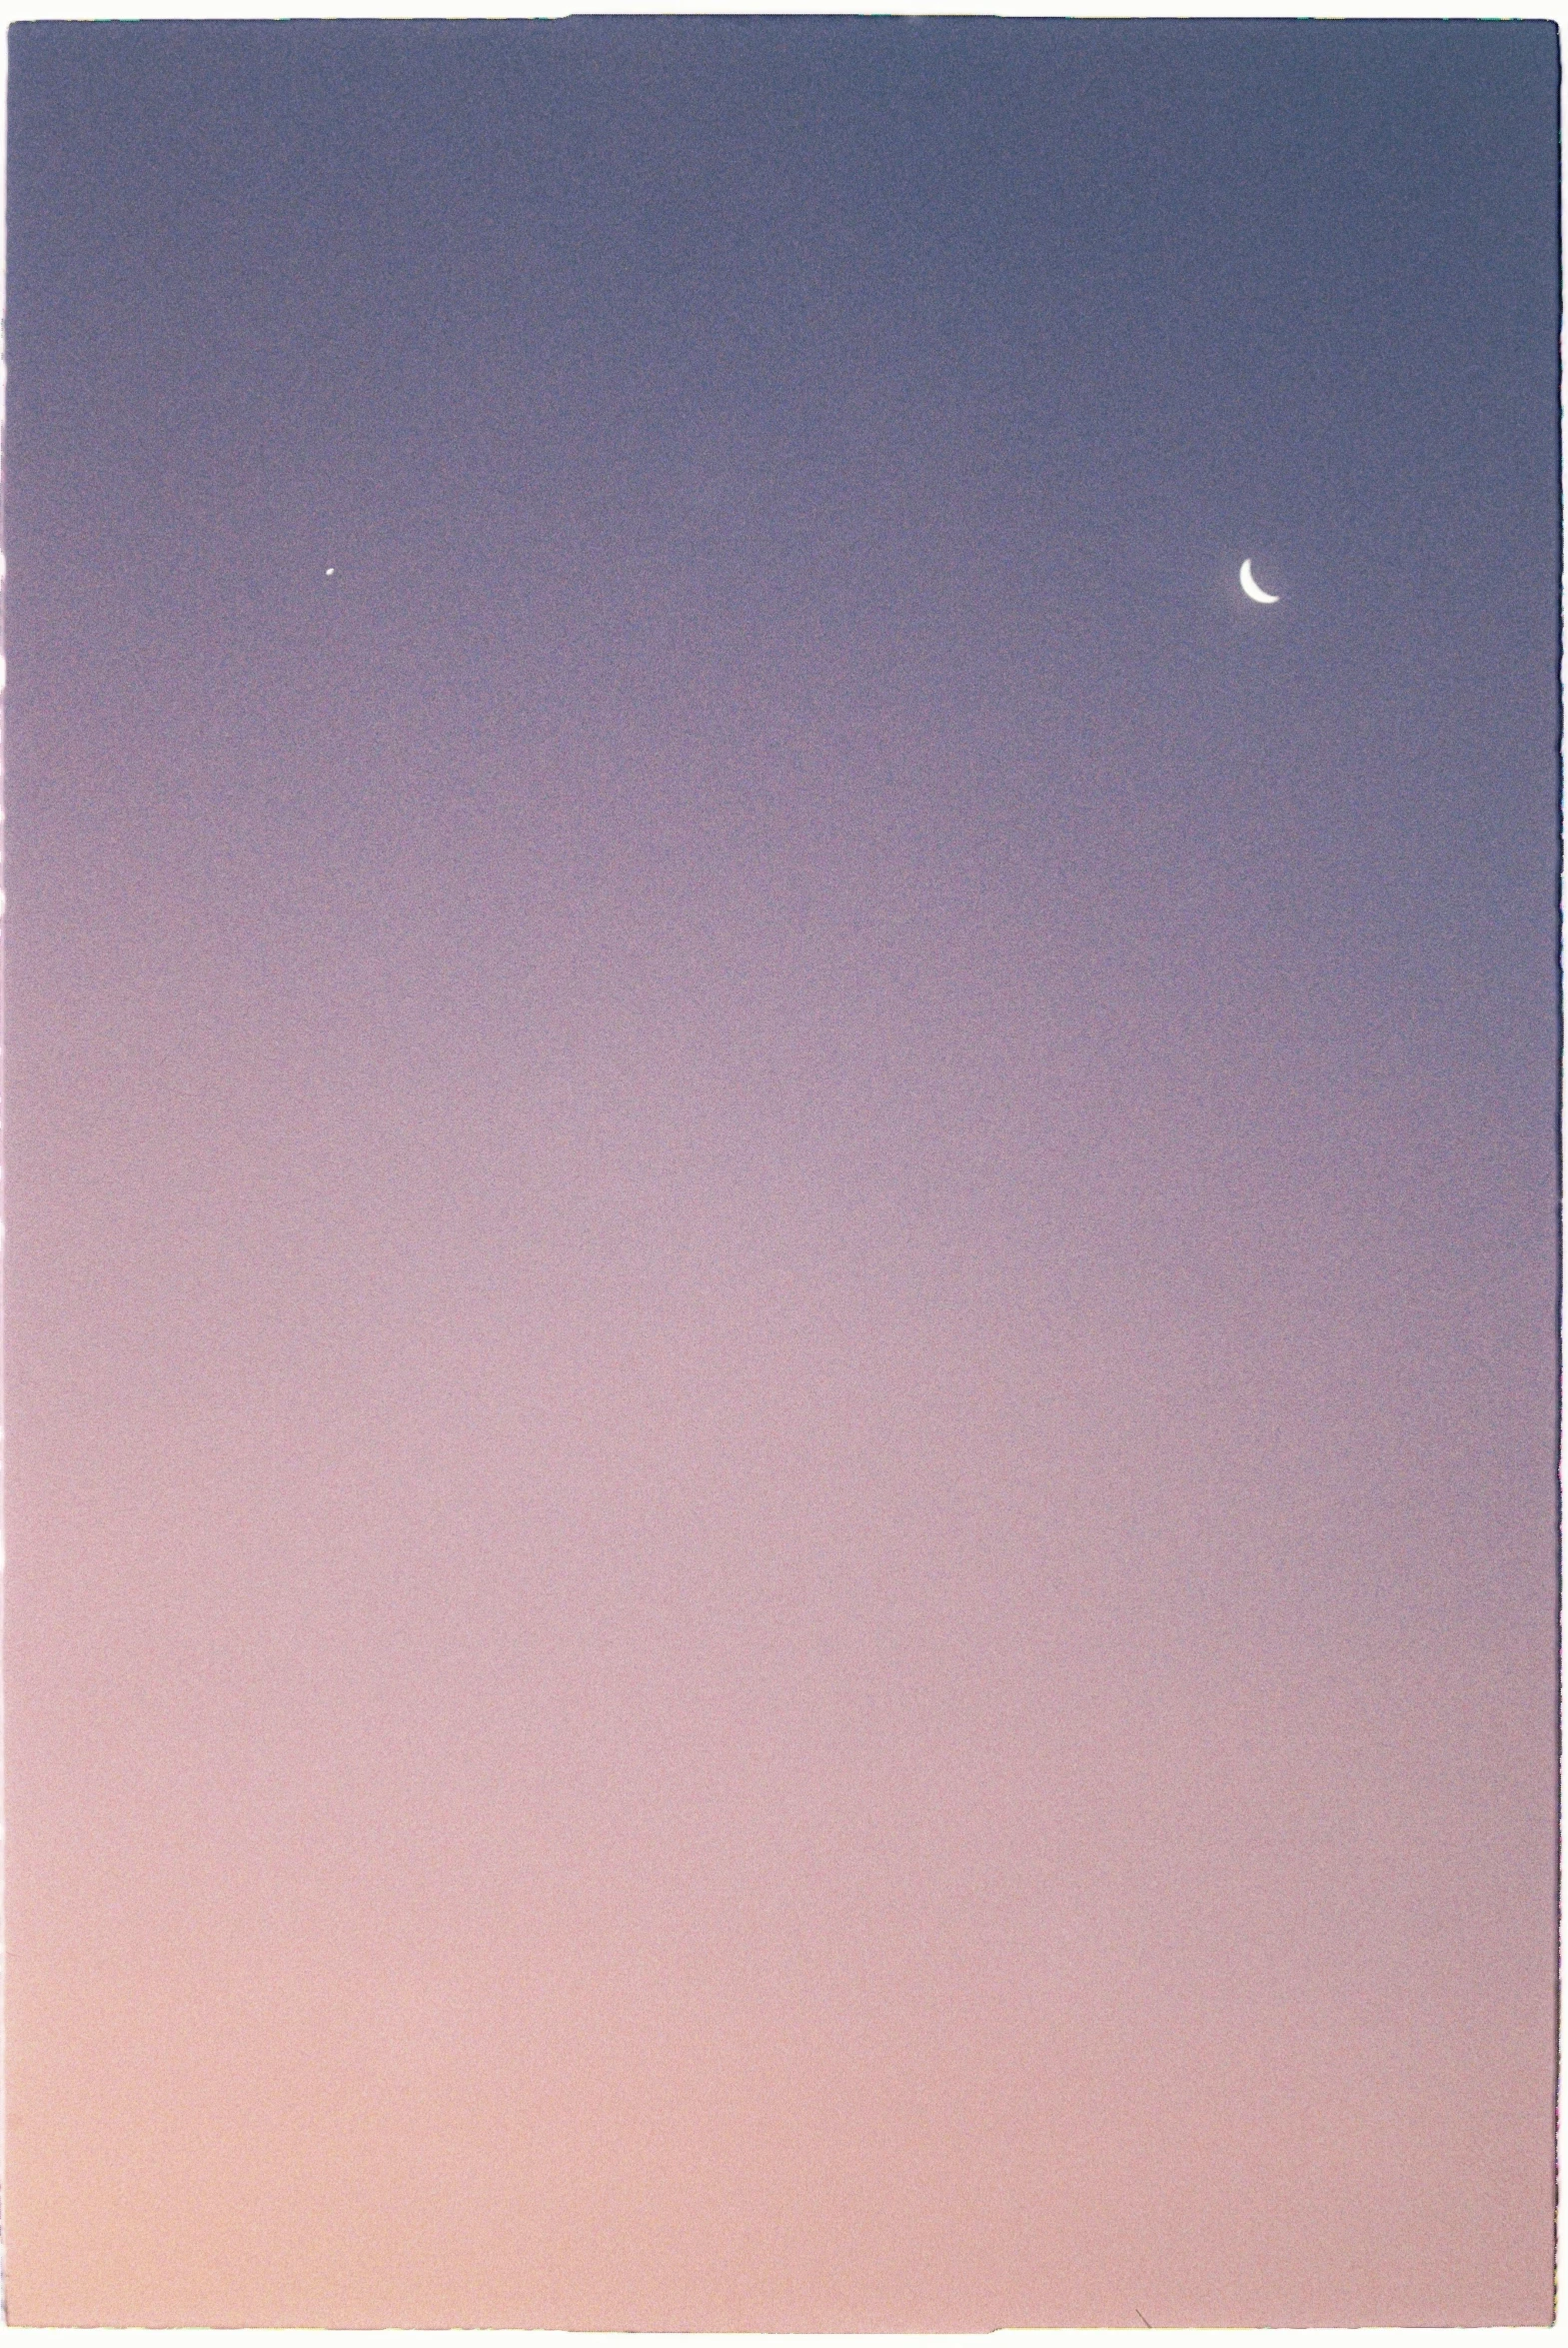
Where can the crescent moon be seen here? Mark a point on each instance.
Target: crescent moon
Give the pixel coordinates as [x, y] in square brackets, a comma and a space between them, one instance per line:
[1250, 584]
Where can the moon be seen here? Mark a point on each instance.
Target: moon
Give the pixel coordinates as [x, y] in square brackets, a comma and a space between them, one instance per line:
[1250, 584]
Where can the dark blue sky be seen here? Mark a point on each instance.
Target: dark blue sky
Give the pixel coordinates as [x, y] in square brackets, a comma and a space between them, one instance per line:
[965, 356]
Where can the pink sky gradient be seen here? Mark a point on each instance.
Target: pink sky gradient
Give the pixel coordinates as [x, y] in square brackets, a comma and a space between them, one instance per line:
[781, 1380]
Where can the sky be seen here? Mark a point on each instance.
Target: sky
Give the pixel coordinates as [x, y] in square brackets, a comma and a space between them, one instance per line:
[782, 1288]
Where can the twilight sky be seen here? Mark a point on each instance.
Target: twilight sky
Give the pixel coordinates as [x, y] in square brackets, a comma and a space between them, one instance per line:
[782, 1288]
